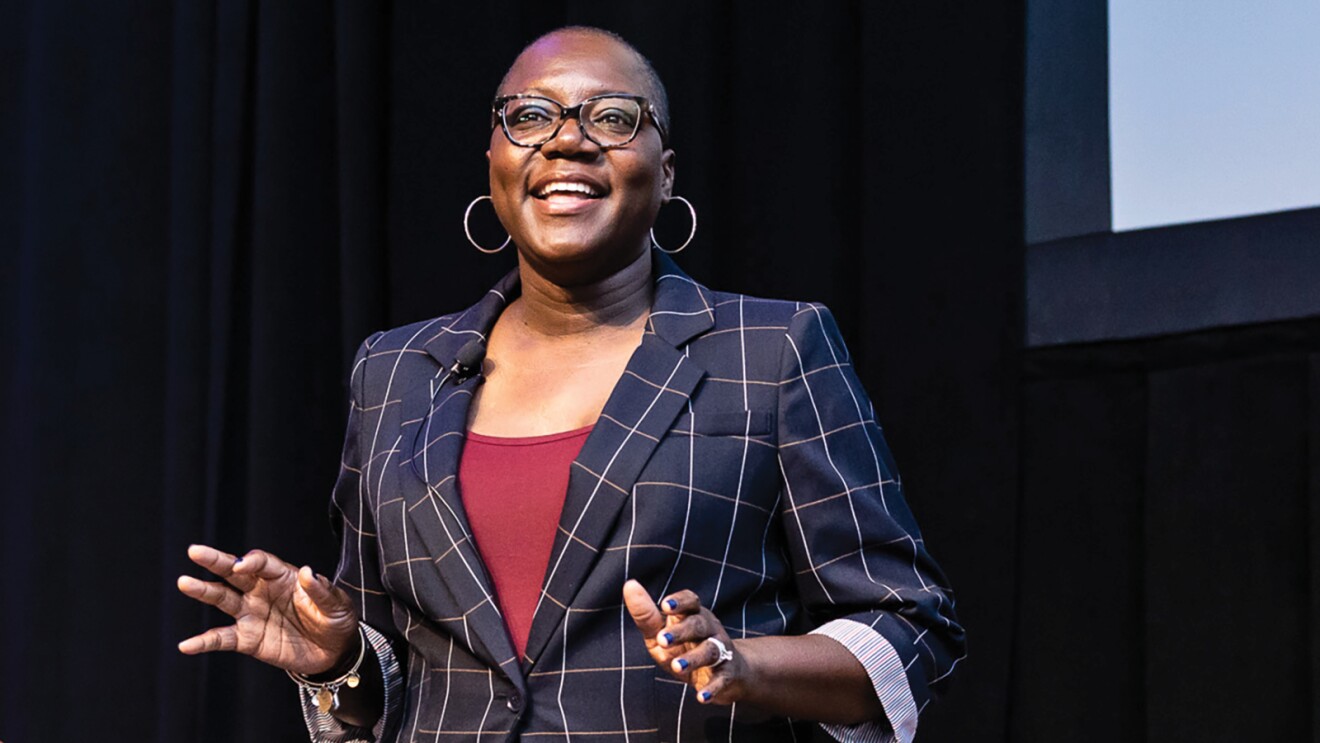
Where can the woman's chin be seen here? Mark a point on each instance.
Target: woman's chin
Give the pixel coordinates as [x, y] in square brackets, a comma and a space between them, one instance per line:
[582, 257]
[578, 246]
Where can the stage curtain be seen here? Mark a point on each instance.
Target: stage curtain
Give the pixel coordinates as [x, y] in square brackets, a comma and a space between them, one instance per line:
[205, 206]
[1168, 539]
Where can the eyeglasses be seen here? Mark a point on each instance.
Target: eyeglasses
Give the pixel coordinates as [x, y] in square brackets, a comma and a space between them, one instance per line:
[611, 120]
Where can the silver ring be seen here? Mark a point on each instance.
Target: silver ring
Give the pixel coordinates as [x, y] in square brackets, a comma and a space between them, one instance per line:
[725, 653]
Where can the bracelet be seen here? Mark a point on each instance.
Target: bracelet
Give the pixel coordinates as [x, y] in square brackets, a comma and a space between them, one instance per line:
[326, 693]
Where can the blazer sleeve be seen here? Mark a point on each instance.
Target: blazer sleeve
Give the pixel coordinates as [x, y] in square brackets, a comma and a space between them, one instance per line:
[359, 574]
[862, 570]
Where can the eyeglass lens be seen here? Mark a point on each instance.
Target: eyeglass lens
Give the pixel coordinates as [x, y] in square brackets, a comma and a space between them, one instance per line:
[606, 121]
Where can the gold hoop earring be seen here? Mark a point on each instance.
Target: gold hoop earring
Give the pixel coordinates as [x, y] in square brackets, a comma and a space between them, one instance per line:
[693, 211]
[467, 231]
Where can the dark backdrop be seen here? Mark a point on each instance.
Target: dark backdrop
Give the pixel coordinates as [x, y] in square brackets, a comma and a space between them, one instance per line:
[204, 206]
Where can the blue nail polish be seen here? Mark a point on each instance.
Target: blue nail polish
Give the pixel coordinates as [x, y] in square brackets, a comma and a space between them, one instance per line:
[672, 604]
[669, 638]
[705, 696]
[682, 664]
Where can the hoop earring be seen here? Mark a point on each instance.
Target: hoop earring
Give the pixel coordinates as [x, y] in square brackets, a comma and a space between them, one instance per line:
[468, 232]
[693, 231]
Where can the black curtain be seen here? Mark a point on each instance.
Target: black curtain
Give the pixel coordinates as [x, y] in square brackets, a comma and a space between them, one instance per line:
[204, 206]
[1168, 567]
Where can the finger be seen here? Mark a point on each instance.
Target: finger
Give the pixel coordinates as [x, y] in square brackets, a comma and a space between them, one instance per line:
[710, 693]
[216, 638]
[221, 564]
[644, 611]
[694, 628]
[325, 597]
[219, 595]
[264, 565]
[683, 602]
[704, 655]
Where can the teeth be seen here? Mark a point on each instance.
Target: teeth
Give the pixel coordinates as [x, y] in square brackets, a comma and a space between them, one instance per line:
[567, 187]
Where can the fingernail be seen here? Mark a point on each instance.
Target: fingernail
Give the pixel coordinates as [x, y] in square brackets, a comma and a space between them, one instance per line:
[672, 604]
[666, 639]
[682, 664]
[705, 696]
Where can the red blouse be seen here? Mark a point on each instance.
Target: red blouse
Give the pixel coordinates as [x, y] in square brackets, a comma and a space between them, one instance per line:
[513, 490]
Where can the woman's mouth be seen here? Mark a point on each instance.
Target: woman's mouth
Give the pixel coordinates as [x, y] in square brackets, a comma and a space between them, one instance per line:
[554, 188]
[563, 197]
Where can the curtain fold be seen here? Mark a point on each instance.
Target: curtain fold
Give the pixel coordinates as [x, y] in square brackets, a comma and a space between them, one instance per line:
[1168, 536]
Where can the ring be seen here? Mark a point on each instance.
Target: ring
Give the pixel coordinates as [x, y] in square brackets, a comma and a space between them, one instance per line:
[725, 653]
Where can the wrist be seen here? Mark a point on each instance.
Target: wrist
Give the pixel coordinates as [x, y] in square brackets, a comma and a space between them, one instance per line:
[348, 659]
[747, 671]
[324, 690]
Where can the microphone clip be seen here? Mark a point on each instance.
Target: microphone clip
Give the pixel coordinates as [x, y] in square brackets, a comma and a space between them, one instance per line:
[467, 362]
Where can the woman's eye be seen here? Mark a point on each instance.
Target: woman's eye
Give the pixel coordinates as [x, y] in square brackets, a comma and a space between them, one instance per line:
[612, 118]
[530, 115]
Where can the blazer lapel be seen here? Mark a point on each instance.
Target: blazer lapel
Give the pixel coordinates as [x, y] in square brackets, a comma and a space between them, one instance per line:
[652, 392]
[435, 513]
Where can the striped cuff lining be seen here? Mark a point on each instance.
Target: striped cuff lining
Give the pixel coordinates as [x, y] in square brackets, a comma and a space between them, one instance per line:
[885, 668]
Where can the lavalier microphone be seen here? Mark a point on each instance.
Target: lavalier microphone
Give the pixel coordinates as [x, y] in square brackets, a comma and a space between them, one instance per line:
[467, 361]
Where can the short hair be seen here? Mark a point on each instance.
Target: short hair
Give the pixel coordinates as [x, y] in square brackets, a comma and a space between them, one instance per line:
[655, 92]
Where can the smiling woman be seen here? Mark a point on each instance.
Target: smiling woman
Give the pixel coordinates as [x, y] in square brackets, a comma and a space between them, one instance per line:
[651, 511]
[627, 178]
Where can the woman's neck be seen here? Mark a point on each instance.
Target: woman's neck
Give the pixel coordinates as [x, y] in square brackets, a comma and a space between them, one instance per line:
[619, 301]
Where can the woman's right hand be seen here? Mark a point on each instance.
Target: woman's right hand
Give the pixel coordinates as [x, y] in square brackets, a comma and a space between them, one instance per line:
[288, 617]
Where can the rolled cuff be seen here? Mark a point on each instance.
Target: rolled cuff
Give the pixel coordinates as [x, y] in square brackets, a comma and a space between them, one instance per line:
[326, 728]
[885, 668]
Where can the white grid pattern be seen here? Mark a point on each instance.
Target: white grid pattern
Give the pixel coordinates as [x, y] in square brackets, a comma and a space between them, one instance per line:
[737, 456]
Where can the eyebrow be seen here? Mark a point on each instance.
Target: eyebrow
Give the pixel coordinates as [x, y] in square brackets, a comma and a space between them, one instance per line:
[546, 94]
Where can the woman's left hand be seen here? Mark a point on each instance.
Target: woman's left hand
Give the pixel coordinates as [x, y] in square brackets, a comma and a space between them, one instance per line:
[677, 633]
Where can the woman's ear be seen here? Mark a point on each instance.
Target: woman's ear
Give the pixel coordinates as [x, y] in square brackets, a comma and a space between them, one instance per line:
[667, 174]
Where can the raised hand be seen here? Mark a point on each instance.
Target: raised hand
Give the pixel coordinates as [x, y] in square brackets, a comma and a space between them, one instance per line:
[288, 617]
[677, 634]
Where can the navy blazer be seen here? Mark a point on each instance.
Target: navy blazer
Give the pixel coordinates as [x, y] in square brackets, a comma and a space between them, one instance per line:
[738, 457]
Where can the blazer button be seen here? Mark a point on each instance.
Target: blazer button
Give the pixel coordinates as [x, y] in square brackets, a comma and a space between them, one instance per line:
[514, 702]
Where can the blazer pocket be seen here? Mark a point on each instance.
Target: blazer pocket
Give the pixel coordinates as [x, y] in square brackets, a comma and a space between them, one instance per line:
[726, 423]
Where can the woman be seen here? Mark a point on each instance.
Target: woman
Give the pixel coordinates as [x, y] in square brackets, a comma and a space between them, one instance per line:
[631, 434]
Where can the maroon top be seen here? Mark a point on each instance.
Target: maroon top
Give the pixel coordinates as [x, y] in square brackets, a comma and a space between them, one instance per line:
[513, 490]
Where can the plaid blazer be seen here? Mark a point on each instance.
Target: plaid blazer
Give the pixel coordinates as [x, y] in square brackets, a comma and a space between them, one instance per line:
[737, 456]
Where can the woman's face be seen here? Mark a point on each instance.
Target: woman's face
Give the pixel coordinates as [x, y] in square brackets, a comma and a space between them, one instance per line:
[583, 235]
